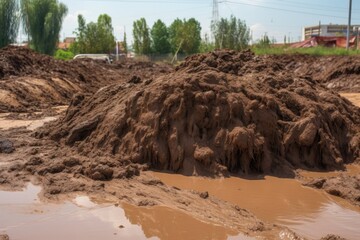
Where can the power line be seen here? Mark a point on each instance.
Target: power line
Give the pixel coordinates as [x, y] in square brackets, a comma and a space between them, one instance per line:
[284, 10]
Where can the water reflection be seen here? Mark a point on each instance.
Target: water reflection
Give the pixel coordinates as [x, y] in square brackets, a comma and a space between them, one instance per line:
[283, 201]
[23, 216]
[166, 223]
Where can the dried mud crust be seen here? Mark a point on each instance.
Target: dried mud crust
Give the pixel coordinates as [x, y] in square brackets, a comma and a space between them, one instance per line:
[63, 174]
[30, 81]
[220, 111]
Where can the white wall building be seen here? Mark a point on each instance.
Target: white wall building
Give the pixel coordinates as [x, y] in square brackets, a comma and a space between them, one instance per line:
[330, 30]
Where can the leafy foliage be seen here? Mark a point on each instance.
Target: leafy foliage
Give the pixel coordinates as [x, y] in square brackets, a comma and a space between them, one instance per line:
[231, 33]
[64, 55]
[185, 36]
[206, 45]
[9, 21]
[264, 42]
[43, 21]
[160, 38]
[175, 35]
[141, 34]
[94, 37]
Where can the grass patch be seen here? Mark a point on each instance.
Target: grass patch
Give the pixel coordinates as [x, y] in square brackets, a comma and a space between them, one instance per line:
[316, 51]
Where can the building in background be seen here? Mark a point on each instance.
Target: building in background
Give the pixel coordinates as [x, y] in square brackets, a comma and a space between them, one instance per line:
[67, 42]
[330, 30]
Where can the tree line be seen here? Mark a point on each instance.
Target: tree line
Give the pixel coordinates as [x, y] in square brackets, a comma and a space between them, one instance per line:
[184, 36]
[42, 21]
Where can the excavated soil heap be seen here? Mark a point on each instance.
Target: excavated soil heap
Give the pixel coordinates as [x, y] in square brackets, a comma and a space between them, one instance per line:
[219, 109]
[338, 73]
[30, 81]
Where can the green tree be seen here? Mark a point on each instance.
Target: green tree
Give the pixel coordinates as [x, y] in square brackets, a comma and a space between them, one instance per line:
[9, 21]
[94, 37]
[192, 36]
[231, 33]
[185, 36]
[264, 42]
[206, 45]
[176, 37]
[43, 21]
[142, 42]
[160, 38]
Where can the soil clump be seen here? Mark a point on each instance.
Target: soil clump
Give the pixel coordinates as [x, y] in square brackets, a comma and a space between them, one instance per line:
[30, 81]
[222, 111]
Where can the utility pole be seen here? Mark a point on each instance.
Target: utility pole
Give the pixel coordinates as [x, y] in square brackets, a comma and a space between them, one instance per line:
[349, 24]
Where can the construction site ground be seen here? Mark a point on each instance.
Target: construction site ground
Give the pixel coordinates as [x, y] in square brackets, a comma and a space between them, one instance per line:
[226, 145]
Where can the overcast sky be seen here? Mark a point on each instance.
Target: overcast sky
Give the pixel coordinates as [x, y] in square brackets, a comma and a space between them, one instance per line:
[274, 17]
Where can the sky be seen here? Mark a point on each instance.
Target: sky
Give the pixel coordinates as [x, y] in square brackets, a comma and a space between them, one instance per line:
[276, 18]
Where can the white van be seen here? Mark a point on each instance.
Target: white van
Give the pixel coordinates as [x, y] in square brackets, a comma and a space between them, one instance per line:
[102, 57]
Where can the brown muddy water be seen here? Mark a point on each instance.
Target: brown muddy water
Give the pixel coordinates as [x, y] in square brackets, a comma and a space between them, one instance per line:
[24, 216]
[309, 212]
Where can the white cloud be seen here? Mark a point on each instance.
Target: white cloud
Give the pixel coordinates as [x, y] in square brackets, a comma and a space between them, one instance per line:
[258, 30]
[71, 18]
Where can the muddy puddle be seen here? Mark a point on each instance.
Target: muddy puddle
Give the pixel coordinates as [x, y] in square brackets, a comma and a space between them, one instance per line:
[309, 212]
[24, 216]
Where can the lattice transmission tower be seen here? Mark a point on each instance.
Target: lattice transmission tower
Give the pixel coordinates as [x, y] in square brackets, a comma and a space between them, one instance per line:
[215, 12]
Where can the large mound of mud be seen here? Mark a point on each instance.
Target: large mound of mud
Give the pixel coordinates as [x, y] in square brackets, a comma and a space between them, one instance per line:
[30, 81]
[218, 109]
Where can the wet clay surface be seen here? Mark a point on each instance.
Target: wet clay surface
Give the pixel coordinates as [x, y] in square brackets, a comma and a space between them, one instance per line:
[132, 184]
[217, 113]
[310, 213]
[24, 216]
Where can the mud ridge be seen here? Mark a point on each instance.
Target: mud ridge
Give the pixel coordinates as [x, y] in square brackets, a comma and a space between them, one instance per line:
[30, 81]
[222, 111]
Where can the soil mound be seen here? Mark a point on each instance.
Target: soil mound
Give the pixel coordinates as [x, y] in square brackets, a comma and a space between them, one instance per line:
[30, 81]
[218, 109]
[343, 74]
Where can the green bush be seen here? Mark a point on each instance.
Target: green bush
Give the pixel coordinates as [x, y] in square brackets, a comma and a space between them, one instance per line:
[63, 55]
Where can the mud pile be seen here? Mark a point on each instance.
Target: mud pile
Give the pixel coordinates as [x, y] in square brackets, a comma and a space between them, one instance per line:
[30, 81]
[222, 109]
[338, 73]
[341, 74]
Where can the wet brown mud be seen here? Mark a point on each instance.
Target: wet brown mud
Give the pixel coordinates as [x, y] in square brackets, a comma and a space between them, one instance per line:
[217, 113]
[308, 212]
[24, 216]
[222, 111]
